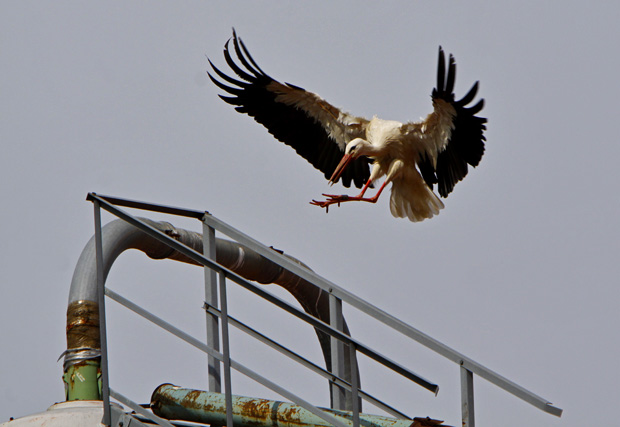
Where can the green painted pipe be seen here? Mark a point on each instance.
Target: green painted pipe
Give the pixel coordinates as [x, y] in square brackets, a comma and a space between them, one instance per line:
[176, 403]
[82, 381]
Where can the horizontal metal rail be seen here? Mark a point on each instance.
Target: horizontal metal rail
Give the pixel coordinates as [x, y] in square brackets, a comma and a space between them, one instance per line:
[171, 210]
[230, 275]
[362, 305]
[305, 362]
[219, 356]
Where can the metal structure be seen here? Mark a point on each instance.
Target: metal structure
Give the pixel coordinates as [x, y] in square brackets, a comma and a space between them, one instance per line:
[86, 315]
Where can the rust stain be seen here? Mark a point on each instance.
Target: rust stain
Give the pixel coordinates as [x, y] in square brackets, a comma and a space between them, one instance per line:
[254, 412]
[83, 324]
[290, 415]
[191, 400]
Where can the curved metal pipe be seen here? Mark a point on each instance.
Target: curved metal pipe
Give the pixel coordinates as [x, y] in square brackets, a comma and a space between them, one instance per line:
[118, 236]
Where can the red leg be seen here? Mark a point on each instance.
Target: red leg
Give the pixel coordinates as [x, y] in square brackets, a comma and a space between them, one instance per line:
[365, 188]
[344, 196]
[336, 198]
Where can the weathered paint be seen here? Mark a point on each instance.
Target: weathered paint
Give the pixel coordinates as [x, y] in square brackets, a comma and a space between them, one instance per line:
[176, 403]
[82, 381]
[82, 365]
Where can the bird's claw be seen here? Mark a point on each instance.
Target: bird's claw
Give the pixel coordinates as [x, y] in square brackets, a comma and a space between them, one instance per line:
[331, 199]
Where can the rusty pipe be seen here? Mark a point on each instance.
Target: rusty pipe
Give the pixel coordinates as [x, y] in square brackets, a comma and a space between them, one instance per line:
[176, 403]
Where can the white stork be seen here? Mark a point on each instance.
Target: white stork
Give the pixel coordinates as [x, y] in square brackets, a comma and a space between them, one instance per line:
[412, 156]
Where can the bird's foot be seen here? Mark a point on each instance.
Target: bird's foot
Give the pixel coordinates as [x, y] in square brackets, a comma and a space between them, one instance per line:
[331, 199]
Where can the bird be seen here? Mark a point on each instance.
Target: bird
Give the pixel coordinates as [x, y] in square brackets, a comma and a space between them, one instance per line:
[413, 156]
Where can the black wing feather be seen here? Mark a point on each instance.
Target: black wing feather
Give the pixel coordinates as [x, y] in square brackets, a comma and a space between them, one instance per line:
[466, 144]
[289, 124]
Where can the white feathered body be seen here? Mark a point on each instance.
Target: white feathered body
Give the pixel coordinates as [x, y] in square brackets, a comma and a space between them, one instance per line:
[396, 148]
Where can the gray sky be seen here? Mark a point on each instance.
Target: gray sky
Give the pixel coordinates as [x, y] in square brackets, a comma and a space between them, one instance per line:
[519, 271]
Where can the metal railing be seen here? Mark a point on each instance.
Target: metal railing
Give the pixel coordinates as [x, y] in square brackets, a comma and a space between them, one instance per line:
[216, 279]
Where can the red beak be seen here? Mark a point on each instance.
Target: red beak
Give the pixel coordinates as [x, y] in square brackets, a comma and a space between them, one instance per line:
[346, 159]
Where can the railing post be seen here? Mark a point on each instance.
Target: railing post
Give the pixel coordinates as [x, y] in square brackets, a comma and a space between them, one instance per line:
[105, 385]
[467, 397]
[337, 352]
[226, 349]
[355, 403]
[213, 335]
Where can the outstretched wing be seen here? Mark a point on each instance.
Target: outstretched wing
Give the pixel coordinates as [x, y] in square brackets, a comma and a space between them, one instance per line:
[317, 130]
[457, 134]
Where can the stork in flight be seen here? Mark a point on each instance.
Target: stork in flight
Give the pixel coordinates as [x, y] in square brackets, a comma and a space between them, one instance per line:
[412, 156]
